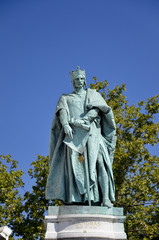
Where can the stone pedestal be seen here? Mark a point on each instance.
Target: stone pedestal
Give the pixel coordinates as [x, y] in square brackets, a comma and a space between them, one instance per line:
[84, 222]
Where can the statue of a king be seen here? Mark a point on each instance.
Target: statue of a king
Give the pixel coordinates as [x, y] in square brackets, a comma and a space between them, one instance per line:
[82, 144]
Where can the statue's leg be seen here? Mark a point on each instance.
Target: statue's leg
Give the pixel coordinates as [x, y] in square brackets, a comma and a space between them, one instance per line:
[103, 181]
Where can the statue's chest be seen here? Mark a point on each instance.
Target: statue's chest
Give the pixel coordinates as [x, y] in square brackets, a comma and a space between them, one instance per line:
[76, 106]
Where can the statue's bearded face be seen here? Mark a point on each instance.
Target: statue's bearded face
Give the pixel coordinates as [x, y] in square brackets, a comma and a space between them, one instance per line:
[79, 81]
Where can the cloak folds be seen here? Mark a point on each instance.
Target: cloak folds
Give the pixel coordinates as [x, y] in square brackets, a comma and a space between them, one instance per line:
[66, 180]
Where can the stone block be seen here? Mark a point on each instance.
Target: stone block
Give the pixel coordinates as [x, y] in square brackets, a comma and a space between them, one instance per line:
[84, 222]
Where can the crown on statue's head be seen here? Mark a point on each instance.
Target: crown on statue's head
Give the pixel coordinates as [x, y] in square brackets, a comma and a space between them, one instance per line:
[75, 74]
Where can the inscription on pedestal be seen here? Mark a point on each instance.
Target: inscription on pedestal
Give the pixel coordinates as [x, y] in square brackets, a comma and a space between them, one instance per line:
[89, 225]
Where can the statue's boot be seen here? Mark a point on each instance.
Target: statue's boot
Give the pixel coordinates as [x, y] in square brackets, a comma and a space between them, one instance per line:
[107, 203]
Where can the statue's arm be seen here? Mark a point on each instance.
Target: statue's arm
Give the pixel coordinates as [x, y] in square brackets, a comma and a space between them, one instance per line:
[91, 115]
[63, 117]
[86, 120]
[64, 121]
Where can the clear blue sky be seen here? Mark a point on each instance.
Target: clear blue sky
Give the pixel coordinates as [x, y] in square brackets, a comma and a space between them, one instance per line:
[41, 41]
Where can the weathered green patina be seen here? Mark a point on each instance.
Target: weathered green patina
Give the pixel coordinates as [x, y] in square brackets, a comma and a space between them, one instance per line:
[65, 210]
[82, 144]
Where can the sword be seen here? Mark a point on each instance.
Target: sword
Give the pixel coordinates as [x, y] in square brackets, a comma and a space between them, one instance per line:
[86, 127]
[87, 176]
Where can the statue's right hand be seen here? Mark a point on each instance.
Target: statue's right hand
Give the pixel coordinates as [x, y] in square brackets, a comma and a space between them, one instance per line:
[68, 131]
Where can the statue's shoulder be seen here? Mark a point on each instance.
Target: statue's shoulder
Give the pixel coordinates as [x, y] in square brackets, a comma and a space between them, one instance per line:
[63, 96]
[93, 93]
[91, 90]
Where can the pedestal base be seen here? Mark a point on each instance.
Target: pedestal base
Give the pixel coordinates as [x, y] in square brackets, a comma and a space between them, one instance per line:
[84, 222]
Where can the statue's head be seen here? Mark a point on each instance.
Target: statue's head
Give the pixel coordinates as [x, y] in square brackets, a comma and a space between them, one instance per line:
[78, 74]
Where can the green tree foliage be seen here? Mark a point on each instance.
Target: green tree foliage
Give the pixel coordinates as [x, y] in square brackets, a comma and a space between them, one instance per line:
[35, 204]
[11, 209]
[136, 171]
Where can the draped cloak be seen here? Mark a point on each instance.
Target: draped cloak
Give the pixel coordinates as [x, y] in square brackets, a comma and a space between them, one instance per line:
[67, 180]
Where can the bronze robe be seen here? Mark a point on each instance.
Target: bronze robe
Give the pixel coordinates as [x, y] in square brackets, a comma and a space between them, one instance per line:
[66, 180]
